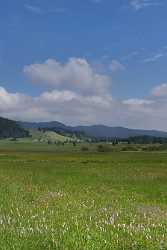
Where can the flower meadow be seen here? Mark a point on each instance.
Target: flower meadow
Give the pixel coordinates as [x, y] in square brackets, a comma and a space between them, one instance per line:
[83, 201]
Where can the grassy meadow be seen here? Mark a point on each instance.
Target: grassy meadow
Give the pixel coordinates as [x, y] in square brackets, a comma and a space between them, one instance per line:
[69, 199]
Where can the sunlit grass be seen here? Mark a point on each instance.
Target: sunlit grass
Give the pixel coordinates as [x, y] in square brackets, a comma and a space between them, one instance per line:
[83, 200]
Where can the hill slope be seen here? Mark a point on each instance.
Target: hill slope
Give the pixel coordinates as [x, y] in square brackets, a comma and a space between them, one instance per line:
[120, 132]
[98, 131]
[47, 136]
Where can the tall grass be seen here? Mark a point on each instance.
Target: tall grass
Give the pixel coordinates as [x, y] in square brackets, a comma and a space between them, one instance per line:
[83, 200]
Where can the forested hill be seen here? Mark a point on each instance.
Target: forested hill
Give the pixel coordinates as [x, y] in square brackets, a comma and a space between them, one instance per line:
[10, 129]
[96, 131]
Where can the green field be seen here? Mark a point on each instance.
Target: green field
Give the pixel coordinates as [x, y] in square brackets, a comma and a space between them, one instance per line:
[65, 200]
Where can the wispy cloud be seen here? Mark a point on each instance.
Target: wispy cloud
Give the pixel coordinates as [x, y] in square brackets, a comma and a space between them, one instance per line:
[154, 58]
[140, 4]
[96, 1]
[144, 55]
[39, 11]
[116, 66]
[131, 55]
[33, 9]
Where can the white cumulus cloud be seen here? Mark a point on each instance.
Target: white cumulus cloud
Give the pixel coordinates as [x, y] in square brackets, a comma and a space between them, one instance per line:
[78, 94]
[74, 108]
[160, 91]
[76, 74]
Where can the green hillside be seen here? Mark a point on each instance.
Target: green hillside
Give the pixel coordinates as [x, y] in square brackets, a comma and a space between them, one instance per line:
[47, 136]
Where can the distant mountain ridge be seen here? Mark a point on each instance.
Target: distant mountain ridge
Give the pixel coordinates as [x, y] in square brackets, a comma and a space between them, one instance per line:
[98, 131]
[35, 125]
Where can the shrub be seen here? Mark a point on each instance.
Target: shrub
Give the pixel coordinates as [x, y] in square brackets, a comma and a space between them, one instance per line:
[151, 148]
[13, 139]
[130, 148]
[84, 148]
[103, 148]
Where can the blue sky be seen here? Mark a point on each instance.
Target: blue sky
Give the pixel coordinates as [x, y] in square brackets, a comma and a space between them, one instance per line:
[122, 40]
